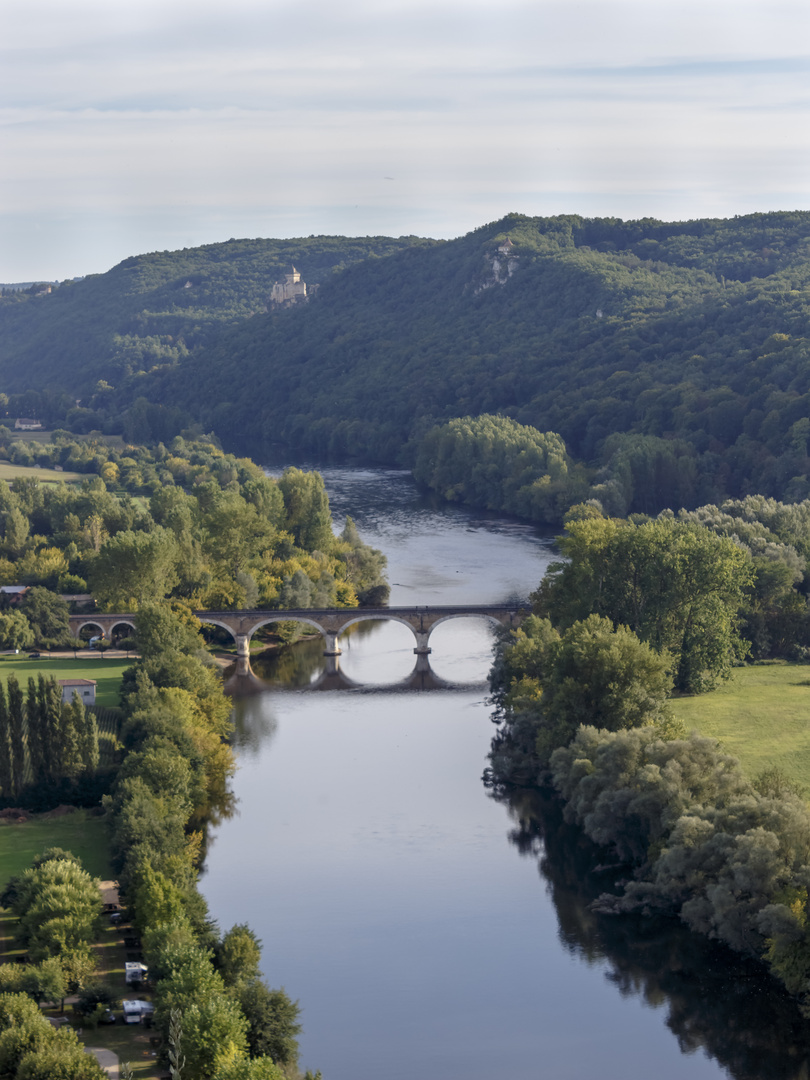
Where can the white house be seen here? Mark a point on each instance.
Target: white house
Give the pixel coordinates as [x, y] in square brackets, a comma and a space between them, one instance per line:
[85, 688]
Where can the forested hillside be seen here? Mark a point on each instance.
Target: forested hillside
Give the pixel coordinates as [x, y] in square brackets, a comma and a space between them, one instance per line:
[153, 309]
[672, 357]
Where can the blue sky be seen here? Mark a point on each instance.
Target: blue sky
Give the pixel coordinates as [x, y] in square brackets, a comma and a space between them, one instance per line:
[130, 127]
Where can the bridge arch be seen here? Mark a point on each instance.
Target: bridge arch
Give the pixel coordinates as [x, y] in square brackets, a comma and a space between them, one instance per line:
[378, 616]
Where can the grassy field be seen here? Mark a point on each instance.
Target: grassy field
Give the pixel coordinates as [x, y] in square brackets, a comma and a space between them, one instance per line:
[45, 437]
[80, 832]
[107, 673]
[10, 472]
[762, 716]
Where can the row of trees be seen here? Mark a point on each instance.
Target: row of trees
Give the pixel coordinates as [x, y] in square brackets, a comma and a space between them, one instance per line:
[44, 741]
[212, 1007]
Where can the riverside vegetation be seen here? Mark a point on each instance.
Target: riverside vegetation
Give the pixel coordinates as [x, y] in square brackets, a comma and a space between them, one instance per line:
[582, 693]
[622, 368]
[230, 537]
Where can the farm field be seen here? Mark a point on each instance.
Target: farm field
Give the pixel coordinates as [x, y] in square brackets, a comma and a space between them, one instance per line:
[762, 716]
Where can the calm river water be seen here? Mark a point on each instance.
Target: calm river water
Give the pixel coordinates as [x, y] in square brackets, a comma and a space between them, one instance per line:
[427, 929]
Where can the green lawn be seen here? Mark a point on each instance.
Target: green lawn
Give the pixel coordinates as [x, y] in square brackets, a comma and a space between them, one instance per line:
[80, 832]
[762, 716]
[107, 673]
[45, 476]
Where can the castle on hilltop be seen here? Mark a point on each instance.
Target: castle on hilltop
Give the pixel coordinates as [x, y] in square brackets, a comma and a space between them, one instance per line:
[292, 290]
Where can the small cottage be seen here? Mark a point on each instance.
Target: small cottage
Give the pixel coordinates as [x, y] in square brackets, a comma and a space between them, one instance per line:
[85, 688]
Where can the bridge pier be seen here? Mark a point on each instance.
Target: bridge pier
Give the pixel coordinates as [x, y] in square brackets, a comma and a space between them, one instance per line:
[242, 646]
[422, 662]
[332, 647]
[422, 647]
[332, 664]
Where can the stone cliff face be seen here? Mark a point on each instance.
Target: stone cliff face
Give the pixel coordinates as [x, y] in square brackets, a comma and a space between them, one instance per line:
[501, 266]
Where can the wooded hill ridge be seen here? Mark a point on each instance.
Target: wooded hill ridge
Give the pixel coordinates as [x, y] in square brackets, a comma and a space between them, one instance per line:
[673, 354]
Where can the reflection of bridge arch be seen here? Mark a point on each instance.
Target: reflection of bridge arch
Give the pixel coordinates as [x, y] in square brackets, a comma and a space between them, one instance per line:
[244, 682]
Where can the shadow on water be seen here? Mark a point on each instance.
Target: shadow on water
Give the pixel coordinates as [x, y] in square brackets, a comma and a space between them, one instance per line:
[716, 1003]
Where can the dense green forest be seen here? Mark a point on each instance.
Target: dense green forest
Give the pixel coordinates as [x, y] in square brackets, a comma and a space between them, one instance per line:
[85, 337]
[672, 358]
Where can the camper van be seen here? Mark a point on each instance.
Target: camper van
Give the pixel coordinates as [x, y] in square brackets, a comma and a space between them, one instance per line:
[137, 1010]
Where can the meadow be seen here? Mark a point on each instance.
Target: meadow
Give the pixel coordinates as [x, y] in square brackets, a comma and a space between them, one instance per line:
[761, 715]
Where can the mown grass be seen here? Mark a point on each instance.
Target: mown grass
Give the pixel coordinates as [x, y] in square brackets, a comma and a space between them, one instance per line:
[107, 673]
[81, 832]
[45, 476]
[762, 716]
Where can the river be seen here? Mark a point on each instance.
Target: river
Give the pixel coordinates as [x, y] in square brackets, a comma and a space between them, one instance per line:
[428, 929]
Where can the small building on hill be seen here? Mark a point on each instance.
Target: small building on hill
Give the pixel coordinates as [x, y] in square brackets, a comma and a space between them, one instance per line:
[22, 423]
[85, 688]
[292, 290]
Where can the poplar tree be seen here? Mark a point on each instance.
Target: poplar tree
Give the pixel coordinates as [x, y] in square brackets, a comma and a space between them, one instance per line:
[36, 750]
[71, 731]
[16, 717]
[87, 728]
[6, 774]
[49, 695]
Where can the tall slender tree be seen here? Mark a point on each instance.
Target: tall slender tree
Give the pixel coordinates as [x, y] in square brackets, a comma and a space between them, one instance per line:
[87, 729]
[6, 772]
[16, 718]
[50, 697]
[36, 750]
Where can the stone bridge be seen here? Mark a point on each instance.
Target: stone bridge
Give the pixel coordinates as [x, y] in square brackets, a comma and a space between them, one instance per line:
[331, 622]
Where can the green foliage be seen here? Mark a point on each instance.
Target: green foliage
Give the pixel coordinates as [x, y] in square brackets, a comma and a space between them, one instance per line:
[58, 906]
[670, 354]
[133, 568]
[601, 676]
[48, 615]
[679, 586]
[494, 462]
[15, 631]
[273, 1022]
[238, 956]
[94, 994]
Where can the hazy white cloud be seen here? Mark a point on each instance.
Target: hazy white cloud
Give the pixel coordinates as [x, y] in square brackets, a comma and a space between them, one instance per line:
[130, 126]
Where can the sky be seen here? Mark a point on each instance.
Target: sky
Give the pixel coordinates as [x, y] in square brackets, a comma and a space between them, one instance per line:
[128, 127]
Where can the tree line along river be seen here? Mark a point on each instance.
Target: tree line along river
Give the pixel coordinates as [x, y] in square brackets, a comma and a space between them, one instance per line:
[427, 928]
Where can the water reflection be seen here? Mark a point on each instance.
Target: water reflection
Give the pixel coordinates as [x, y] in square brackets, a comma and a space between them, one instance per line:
[716, 1003]
[308, 669]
